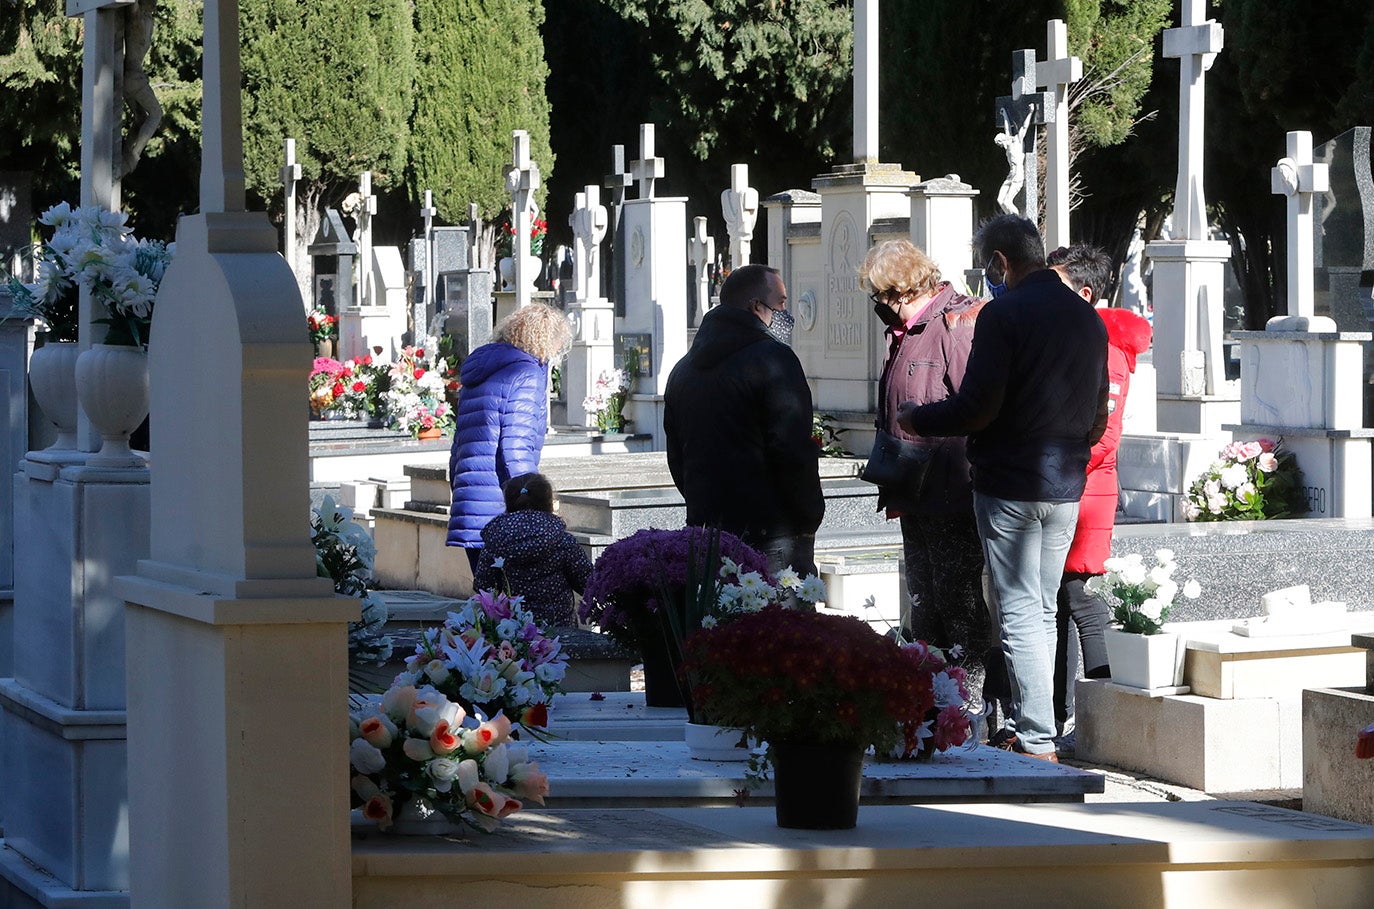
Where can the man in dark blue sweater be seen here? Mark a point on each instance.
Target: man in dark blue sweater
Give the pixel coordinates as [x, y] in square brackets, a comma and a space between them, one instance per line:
[1032, 403]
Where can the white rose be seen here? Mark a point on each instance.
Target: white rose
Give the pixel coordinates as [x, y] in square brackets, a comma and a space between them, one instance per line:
[1166, 592]
[1192, 590]
[1191, 510]
[366, 758]
[1134, 573]
[1233, 476]
[1160, 574]
[1164, 556]
[443, 771]
[1152, 609]
[1114, 564]
[497, 765]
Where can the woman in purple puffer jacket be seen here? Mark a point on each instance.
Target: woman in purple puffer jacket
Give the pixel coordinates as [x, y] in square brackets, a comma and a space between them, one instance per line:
[502, 417]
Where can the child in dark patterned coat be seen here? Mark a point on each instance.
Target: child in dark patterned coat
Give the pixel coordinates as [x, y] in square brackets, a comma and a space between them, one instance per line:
[529, 550]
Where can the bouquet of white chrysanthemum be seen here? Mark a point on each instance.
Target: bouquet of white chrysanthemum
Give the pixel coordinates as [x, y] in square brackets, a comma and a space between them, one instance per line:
[1139, 596]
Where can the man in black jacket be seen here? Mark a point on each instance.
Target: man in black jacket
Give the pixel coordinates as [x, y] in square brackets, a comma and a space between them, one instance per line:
[737, 415]
[1032, 403]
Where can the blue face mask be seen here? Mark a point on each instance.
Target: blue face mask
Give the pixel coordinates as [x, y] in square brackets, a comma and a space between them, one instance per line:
[995, 290]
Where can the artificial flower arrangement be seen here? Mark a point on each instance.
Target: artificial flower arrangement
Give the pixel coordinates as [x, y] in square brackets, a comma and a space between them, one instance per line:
[1140, 597]
[606, 400]
[505, 242]
[944, 724]
[635, 577]
[345, 553]
[491, 657]
[350, 390]
[95, 249]
[1249, 481]
[323, 327]
[415, 743]
[415, 400]
[791, 675]
[827, 437]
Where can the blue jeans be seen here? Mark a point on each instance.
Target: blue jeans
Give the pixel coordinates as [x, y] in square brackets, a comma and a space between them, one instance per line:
[1024, 545]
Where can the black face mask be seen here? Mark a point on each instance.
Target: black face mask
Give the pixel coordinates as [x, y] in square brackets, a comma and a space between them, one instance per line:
[780, 326]
[887, 315]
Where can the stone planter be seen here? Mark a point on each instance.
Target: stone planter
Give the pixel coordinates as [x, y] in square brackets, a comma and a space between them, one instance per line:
[1145, 660]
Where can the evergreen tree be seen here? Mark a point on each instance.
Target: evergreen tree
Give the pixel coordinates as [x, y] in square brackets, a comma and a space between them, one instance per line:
[481, 65]
[338, 76]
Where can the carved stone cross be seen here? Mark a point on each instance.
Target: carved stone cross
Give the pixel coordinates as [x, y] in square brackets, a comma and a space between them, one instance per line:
[1196, 44]
[1056, 74]
[701, 250]
[1297, 177]
[290, 173]
[1024, 109]
[522, 180]
[740, 206]
[648, 168]
[588, 222]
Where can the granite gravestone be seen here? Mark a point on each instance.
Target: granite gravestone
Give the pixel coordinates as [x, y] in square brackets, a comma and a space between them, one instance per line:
[464, 292]
[1344, 238]
[331, 264]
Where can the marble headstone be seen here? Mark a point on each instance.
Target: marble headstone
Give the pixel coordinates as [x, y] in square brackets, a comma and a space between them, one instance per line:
[1344, 238]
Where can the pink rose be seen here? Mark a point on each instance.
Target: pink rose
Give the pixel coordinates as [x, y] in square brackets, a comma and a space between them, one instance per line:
[529, 782]
[378, 808]
[1267, 463]
[377, 731]
[441, 741]
[1250, 450]
[951, 727]
[492, 803]
[1266, 445]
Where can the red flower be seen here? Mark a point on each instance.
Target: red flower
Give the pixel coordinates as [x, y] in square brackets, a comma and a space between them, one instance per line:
[536, 717]
[360, 387]
[366, 360]
[419, 373]
[420, 353]
[338, 390]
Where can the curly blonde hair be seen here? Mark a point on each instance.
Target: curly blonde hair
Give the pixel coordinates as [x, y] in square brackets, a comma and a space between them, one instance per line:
[898, 265]
[537, 329]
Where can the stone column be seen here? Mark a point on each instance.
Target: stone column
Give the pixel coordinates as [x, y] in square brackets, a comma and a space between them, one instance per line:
[942, 224]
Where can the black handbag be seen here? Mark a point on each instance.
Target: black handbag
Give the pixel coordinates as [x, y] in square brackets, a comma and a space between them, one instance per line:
[897, 464]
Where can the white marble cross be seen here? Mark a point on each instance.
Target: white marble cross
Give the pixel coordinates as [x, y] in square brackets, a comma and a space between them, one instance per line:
[740, 206]
[522, 180]
[865, 81]
[648, 168]
[1196, 44]
[701, 251]
[290, 173]
[367, 207]
[1018, 114]
[588, 222]
[1297, 177]
[1057, 73]
[427, 213]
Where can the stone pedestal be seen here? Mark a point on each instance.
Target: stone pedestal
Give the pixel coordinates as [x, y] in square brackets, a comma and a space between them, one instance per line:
[593, 352]
[847, 361]
[657, 303]
[467, 300]
[1307, 387]
[1189, 284]
[62, 780]
[942, 224]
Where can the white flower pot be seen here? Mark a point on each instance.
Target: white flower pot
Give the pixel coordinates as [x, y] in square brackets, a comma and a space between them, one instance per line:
[112, 383]
[506, 266]
[714, 743]
[1145, 660]
[52, 376]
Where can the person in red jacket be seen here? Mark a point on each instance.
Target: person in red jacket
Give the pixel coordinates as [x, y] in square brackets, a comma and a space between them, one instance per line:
[1087, 270]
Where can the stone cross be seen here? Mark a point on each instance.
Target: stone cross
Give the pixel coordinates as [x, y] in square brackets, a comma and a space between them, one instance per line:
[617, 181]
[1056, 74]
[1297, 177]
[427, 213]
[1196, 44]
[865, 81]
[588, 222]
[701, 250]
[740, 206]
[1025, 108]
[102, 106]
[648, 168]
[367, 207]
[290, 173]
[522, 180]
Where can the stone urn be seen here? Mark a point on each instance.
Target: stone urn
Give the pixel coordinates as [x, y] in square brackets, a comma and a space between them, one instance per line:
[52, 376]
[112, 384]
